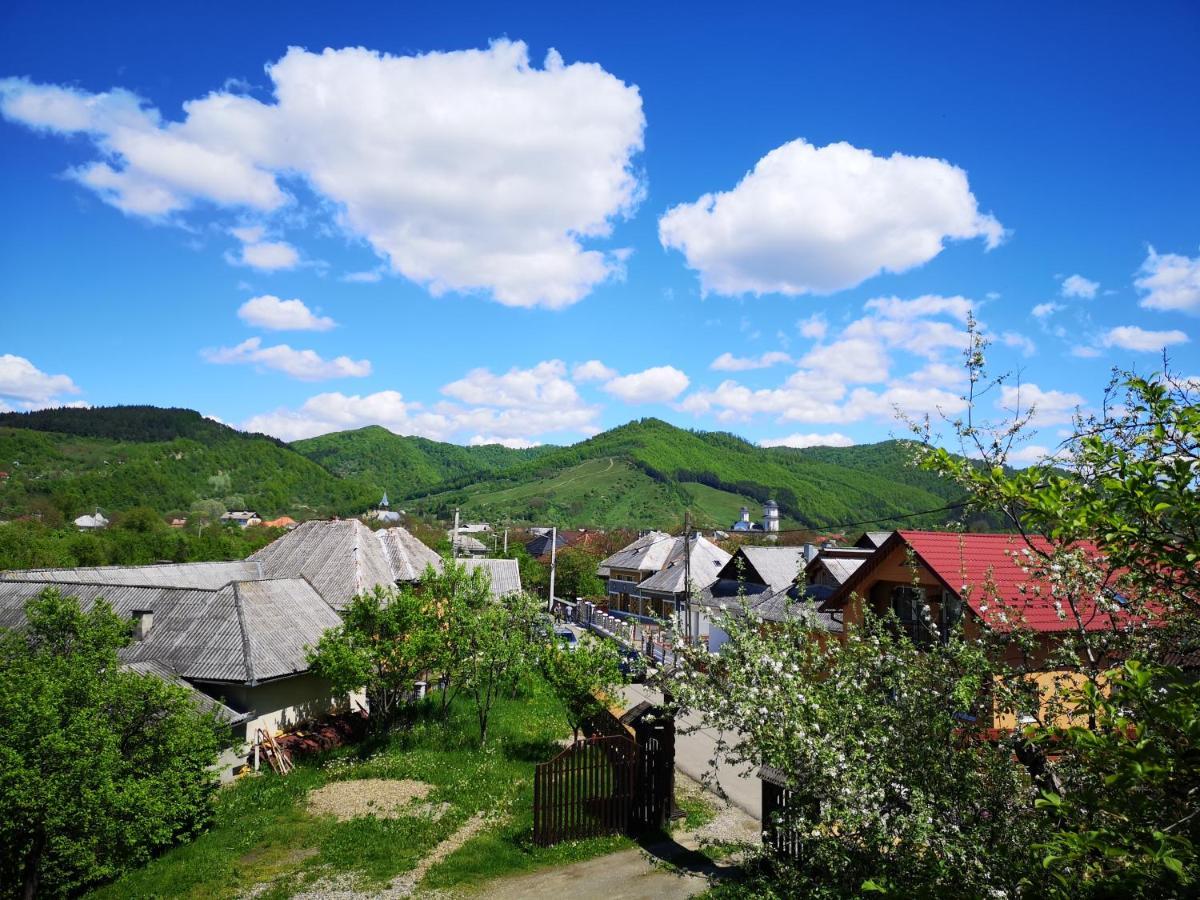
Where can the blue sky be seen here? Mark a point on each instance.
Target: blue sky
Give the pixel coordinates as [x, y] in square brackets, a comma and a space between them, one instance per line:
[530, 224]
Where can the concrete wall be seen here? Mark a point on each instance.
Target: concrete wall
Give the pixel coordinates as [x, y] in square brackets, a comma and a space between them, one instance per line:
[276, 706]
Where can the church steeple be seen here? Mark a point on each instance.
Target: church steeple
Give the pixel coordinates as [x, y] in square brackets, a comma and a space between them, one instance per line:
[383, 504]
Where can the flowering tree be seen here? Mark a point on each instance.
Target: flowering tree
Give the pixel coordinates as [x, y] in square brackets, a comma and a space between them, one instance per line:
[895, 794]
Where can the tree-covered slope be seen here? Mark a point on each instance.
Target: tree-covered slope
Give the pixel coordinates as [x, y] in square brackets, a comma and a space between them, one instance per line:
[408, 465]
[118, 458]
[819, 487]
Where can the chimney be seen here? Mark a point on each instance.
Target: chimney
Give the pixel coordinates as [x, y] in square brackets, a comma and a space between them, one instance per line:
[143, 621]
[745, 514]
[810, 552]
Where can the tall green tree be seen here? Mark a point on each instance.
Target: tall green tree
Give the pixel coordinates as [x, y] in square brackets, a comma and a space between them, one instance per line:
[497, 649]
[384, 645]
[100, 768]
[453, 598]
[582, 677]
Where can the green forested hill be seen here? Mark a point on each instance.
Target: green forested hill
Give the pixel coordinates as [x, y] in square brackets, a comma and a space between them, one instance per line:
[408, 465]
[646, 473]
[117, 458]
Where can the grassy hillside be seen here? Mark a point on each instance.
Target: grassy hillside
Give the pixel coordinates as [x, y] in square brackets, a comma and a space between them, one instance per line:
[117, 458]
[646, 473]
[710, 473]
[407, 465]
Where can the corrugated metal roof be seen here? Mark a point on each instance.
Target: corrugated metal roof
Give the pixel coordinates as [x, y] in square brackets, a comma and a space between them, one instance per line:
[776, 567]
[340, 557]
[505, 574]
[707, 560]
[839, 562]
[242, 632]
[649, 553]
[226, 714]
[179, 575]
[406, 555]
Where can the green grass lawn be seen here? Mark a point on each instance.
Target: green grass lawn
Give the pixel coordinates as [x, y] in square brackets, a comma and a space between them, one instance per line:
[263, 832]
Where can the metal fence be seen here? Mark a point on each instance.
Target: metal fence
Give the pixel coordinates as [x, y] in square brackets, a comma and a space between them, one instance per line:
[585, 791]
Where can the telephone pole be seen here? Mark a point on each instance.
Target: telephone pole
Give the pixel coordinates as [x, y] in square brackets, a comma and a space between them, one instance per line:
[553, 559]
[687, 576]
[454, 538]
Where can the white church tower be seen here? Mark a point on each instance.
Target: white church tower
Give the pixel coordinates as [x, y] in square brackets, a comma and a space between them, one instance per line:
[770, 516]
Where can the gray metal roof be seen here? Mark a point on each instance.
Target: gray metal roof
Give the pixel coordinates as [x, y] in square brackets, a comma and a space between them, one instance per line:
[839, 562]
[226, 714]
[649, 553]
[243, 632]
[341, 558]
[466, 542]
[776, 567]
[178, 575]
[406, 555]
[872, 540]
[505, 574]
[707, 560]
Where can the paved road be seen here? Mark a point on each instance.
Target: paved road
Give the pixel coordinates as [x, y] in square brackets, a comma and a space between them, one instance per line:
[693, 752]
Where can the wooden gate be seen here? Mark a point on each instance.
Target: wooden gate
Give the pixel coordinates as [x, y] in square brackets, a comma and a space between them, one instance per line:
[585, 791]
[655, 736]
[780, 805]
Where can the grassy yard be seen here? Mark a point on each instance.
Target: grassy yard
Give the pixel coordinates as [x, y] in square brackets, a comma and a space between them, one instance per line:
[264, 833]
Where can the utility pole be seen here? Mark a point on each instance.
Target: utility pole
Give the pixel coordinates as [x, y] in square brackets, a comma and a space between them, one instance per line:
[553, 558]
[454, 538]
[506, 540]
[687, 576]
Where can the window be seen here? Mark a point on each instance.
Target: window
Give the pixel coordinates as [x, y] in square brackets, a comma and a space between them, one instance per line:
[952, 613]
[908, 603]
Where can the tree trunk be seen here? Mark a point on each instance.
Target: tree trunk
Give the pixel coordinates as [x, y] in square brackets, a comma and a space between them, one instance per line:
[33, 860]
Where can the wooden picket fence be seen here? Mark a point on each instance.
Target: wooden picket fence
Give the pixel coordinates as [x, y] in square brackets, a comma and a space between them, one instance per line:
[585, 791]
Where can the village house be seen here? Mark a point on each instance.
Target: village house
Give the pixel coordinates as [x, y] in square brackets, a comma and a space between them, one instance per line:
[240, 647]
[979, 580]
[691, 567]
[236, 632]
[243, 518]
[281, 522]
[765, 578]
[633, 564]
[91, 522]
[465, 545]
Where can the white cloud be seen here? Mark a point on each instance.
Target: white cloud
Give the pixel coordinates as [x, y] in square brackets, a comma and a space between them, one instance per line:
[268, 256]
[543, 386]
[481, 440]
[306, 365]
[1078, 286]
[1170, 281]
[1050, 407]
[370, 276]
[803, 397]
[956, 307]
[1018, 340]
[22, 381]
[821, 219]
[1131, 337]
[268, 311]
[654, 385]
[1044, 310]
[834, 439]
[593, 370]
[1083, 351]
[466, 170]
[727, 362]
[851, 360]
[814, 326]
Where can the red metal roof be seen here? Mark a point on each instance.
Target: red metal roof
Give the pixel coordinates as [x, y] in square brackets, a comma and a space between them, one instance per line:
[1004, 589]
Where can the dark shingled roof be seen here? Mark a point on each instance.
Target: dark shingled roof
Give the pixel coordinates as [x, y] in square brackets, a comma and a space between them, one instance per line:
[505, 574]
[244, 632]
[340, 557]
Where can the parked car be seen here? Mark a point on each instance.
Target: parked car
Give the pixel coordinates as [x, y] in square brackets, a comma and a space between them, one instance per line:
[632, 665]
[566, 637]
